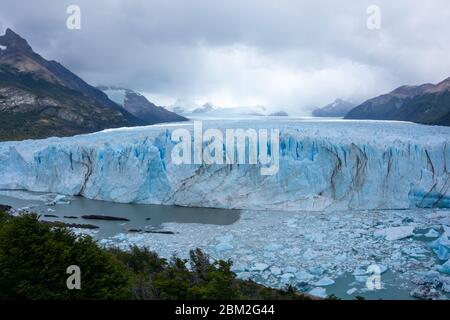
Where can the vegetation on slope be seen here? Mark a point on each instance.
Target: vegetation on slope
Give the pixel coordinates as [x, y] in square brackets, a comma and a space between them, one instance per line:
[34, 257]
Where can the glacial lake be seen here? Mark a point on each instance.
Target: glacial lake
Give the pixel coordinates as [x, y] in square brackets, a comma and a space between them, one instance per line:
[141, 216]
[273, 248]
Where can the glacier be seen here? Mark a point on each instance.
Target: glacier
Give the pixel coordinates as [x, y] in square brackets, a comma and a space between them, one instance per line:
[324, 165]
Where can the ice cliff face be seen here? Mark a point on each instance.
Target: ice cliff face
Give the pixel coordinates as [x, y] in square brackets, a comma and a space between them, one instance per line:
[323, 165]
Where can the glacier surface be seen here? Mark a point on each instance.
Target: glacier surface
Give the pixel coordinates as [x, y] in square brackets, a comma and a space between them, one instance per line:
[324, 165]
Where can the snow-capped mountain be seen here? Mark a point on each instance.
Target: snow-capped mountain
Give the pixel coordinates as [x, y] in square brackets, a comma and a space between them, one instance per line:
[338, 108]
[323, 165]
[210, 111]
[207, 107]
[136, 104]
[190, 109]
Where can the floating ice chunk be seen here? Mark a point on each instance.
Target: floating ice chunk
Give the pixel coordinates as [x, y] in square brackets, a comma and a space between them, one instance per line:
[446, 231]
[291, 223]
[351, 291]
[445, 268]
[275, 270]
[316, 237]
[244, 275]
[324, 282]
[225, 238]
[395, 233]
[446, 285]
[432, 234]
[317, 271]
[293, 251]
[418, 253]
[224, 246]
[239, 267]
[359, 272]
[429, 277]
[310, 254]
[286, 277]
[273, 247]
[260, 267]
[291, 270]
[59, 199]
[341, 257]
[224, 243]
[304, 276]
[83, 232]
[319, 292]
[441, 247]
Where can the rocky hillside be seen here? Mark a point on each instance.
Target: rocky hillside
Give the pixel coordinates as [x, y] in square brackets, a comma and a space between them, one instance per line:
[41, 98]
[427, 104]
[339, 108]
[136, 104]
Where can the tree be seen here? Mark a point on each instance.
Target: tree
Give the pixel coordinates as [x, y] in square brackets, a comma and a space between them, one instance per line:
[34, 258]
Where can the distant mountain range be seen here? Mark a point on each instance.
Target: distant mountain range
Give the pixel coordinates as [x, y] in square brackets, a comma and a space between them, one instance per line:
[136, 104]
[209, 110]
[41, 98]
[339, 108]
[427, 104]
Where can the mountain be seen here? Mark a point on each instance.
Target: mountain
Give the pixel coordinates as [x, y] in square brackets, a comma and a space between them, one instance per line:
[427, 104]
[279, 114]
[338, 108]
[139, 106]
[207, 107]
[208, 110]
[41, 98]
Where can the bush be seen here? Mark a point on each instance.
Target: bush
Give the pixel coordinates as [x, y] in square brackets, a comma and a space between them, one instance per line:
[34, 258]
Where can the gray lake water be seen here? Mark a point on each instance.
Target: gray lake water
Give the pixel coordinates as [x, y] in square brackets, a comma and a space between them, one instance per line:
[141, 216]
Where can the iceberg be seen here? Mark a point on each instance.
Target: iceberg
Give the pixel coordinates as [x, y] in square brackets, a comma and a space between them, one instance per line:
[351, 291]
[432, 234]
[441, 247]
[324, 282]
[338, 165]
[260, 267]
[395, 233]
[445, 268]
[318, 292]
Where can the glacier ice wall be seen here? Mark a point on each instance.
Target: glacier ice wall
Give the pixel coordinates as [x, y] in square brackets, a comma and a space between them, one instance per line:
[323, 165]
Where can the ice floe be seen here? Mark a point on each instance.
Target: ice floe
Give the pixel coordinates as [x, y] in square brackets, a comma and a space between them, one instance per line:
[395, 233]
[265, 250]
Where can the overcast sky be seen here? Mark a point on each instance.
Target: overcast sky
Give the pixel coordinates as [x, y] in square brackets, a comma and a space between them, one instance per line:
[288, 54]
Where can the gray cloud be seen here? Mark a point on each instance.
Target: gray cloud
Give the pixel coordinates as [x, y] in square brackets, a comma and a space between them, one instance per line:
[288, 54]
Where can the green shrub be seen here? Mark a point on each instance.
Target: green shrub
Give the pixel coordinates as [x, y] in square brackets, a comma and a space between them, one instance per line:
[34, 258]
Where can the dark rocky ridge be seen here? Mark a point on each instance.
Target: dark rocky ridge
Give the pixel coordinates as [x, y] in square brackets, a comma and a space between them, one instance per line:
[40, 98]
[426, 104]
[339, 108]
[138, 105]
